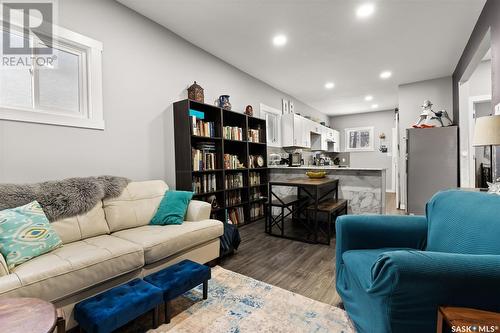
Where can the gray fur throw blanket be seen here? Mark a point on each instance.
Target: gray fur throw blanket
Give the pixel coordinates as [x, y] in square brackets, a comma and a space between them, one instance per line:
[63, 198]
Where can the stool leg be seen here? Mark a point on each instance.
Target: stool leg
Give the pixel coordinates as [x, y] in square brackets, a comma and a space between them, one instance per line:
[167, 312]
[156, 316]
[205, 289]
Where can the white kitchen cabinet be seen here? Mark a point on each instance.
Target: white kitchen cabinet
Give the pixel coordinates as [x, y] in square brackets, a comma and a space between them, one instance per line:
[336, 140]
[296, 131]
[273, 125]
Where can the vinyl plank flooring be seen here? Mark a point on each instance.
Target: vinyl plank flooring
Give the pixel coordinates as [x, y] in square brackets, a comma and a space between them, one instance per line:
[306, 269]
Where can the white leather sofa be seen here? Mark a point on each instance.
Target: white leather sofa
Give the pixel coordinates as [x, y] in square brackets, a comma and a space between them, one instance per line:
[110, 245]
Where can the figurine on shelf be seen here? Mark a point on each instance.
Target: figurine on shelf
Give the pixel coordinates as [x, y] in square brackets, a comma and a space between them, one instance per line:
[249, 110]
[428, 118]
[195, 93]
[224, 102]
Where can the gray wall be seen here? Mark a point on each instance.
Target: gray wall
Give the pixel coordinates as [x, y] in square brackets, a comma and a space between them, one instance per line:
[383, 122]
[411, 97]
[145, 69]
[488, 20]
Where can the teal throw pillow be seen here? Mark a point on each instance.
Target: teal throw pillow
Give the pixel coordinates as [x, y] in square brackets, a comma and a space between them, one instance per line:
[172, 208]
[25, 233]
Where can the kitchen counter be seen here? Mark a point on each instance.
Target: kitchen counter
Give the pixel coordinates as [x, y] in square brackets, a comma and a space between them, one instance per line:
[364, 188]
[324, 167]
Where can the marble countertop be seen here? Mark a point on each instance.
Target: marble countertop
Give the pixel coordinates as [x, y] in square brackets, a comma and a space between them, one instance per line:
[326, 167]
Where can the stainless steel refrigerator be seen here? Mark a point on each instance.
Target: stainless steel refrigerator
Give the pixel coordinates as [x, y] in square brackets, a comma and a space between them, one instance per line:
[431, 164]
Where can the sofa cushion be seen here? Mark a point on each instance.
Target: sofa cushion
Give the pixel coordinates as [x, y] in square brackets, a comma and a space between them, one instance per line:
[463, 222]
[359, 263]
[135, 206]
[75, 267]
[90, 224]
[161, 242]
[26, 233]
[173, 208]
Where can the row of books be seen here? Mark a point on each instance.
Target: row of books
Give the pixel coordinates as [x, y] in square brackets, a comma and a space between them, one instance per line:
[233, 198]
[254, 178]
[254, 135]
[236, 216]
[232, 162]
[233, 133]
[234, 180]
[202, 128]
[256, 210]
[204, 157]
[204, 184]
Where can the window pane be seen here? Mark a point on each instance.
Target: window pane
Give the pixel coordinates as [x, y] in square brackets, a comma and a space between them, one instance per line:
[58, 87]
[15, 82]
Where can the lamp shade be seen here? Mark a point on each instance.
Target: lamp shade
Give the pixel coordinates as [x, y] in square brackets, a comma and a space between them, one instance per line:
[487, 131]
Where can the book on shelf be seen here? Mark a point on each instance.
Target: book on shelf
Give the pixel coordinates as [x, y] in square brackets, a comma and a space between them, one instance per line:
[254, 135]
[256, 210]
[233, 198]
[236, 216]
[234, 180]
[204, 184]
[202, 128]
[204, 156]
[233, 133]
[254, 178]
[232, 162]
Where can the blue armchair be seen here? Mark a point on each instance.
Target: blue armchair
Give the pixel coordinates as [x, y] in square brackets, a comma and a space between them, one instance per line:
[394, 271]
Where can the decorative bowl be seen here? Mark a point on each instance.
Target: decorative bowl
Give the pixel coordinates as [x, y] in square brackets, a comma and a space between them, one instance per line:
[316, 174]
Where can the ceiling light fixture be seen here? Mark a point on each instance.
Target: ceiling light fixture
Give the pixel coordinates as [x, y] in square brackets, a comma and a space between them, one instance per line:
[385, 75]
[369, 98]
[329, 85]
[365, 10]
[279, 40]
[374, 106]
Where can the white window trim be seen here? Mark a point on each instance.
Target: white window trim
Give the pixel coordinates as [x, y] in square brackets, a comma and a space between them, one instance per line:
[93, 117]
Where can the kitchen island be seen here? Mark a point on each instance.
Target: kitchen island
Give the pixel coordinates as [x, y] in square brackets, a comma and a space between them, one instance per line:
[364, 188]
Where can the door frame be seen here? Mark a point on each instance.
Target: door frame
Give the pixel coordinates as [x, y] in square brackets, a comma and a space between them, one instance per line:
[473, 100]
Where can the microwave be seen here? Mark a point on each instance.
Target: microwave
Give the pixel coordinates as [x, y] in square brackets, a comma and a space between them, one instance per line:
[295, 159]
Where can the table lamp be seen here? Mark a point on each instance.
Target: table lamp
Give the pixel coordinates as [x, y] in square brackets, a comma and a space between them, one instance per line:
[487, 133]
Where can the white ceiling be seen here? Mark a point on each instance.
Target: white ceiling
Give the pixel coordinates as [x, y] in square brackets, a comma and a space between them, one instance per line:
[416, 40]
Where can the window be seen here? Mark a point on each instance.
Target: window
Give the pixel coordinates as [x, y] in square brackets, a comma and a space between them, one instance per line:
[66, 92]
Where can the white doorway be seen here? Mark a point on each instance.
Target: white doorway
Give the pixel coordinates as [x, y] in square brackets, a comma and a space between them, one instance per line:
[480, 158]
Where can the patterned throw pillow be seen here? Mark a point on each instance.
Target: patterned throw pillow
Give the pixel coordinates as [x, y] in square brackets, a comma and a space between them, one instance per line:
[25, 233]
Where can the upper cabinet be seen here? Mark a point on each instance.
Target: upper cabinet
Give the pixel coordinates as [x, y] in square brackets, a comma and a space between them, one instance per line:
[273, 127]
[296, 131]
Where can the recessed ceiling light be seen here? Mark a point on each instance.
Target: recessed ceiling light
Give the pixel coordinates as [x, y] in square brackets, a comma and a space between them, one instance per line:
[279, 40]
[369, 98]
[374, 106]
[385, 74]
[365, 10]
[329, 85]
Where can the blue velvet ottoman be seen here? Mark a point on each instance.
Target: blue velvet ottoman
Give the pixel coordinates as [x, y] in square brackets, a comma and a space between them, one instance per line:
[179, 278]
[115, 307]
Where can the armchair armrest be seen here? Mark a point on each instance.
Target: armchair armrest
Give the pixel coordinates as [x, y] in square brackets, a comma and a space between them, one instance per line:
[198, 211]
[4, 270]
[423, 280]
[357, 232]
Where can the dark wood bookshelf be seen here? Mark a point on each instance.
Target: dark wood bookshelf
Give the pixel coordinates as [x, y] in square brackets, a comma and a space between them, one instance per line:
[186, 140]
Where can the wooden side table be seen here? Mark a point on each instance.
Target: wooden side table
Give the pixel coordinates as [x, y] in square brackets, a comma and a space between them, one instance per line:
[469, 319]
[27, 315]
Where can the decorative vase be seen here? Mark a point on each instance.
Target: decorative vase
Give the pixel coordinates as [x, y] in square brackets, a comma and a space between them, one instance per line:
[249, 110]
[224, 102]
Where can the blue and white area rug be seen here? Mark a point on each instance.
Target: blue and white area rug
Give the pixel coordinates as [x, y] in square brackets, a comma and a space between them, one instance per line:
[239, 304]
